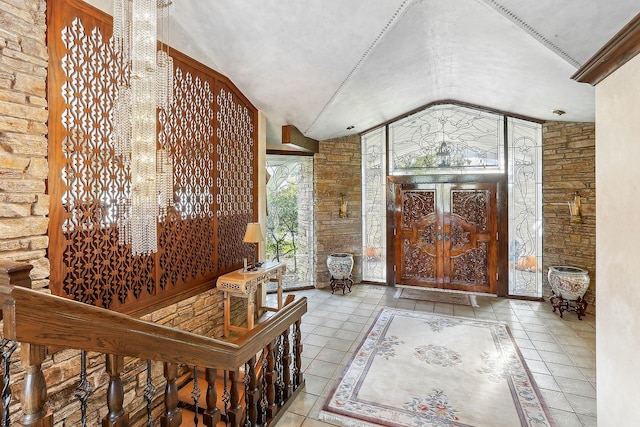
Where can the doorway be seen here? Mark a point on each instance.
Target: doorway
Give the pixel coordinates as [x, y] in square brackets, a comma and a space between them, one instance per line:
[446, 236]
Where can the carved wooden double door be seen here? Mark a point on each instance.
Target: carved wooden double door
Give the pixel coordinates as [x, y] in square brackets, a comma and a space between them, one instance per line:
[446, 236]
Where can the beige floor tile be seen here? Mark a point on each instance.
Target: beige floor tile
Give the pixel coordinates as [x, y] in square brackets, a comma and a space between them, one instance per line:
[545, 381]
[325, 331]
[556, 357]
[310, 422]
[577, 387]
[347, 335]
[331, 355]
[314, 384]
[556, 400]
[565, 371]
[322, 369]
[303, 403]
[547, 346]
[590, 374]
[338, 344]
[530, 354]
[582, 405]
[289, 419]
[565, 418]
[588, 421]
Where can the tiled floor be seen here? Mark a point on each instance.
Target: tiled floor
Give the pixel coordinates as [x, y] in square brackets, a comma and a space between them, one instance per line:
[559, 352]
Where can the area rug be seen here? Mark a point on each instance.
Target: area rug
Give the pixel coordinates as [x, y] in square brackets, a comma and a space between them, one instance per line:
[426, 370]
[436, 296]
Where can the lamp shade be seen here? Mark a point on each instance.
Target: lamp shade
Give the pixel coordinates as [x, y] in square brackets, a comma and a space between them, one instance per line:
[253, 233]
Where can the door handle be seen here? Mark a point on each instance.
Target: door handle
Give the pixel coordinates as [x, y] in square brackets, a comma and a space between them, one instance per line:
[439, 236]
[446, 237]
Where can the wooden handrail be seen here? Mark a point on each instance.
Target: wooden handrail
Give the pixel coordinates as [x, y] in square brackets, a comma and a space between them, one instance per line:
[38, 318]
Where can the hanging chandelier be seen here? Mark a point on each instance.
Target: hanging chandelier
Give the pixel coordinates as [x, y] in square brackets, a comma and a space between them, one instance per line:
[145, 85]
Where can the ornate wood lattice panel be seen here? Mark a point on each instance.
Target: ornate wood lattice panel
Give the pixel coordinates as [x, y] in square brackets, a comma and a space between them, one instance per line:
[418, 263]
[471, 267]
[415, 206]
[234, 163]
[471, 205]
[210, 130]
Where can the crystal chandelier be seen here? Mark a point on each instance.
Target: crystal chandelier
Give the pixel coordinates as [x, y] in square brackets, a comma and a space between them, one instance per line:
[145, 85]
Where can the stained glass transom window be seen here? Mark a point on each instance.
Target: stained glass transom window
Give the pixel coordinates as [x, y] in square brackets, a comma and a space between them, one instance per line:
[447, 139]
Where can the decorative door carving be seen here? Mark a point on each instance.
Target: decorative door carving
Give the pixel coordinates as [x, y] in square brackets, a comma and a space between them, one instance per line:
[446, 236]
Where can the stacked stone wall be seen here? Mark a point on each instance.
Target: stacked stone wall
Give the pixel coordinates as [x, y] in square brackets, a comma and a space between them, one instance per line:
[337, 169]
[569, 167]
[24, 204]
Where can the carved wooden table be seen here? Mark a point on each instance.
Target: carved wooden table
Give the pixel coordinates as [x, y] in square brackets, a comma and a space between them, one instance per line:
[249, 285]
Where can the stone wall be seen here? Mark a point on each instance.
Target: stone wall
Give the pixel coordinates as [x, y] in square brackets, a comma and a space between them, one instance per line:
[23, 145]
[337, 169]
[569, 166]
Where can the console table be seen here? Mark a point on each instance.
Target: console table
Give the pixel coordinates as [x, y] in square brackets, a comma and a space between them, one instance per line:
[249, 285]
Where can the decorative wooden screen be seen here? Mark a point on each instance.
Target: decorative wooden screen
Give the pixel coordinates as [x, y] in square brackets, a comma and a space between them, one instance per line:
[211, 129]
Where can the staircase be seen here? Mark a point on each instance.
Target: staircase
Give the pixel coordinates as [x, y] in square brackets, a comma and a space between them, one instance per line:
[247, 382]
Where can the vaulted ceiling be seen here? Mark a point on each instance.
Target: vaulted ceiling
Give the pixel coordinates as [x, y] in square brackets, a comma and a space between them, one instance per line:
[325, 65]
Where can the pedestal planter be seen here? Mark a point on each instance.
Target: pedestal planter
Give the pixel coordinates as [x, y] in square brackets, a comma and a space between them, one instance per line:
[568, 286]
[340, 266]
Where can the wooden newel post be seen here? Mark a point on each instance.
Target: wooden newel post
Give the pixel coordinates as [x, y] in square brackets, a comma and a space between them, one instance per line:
[173, 415]
[34, 394]
[116, 417]
[15, 274]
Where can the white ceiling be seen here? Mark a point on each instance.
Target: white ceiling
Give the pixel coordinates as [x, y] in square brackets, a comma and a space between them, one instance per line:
[324, 65]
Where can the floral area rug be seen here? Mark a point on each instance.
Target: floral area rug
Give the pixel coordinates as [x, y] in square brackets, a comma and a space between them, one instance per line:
[428, 370]
[436, 296]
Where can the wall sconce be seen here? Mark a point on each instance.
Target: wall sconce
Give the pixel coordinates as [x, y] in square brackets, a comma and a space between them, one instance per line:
[343, 206]
[576, 208]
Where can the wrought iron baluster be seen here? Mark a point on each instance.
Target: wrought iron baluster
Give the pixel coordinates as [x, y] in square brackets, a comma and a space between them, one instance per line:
[294, 368]
[280, 369]
[226, 398]
[245, 381]
[195, 395]
[149, 392]
[84, 388]
[297, 355]
[8, 347]
[263, 387]
[286, 366]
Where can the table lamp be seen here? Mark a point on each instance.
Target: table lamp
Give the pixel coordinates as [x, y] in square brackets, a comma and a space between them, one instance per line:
[253, 235]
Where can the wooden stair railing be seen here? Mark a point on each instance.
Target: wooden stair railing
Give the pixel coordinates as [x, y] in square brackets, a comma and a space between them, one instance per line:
[38, 320]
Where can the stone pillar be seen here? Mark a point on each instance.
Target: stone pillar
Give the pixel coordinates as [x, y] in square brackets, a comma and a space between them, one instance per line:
[569, 167]
[23, 143]
[337, 169]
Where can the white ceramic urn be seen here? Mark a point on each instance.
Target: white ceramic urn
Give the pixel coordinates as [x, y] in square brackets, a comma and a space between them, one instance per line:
[569, 282]
[340, 265]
